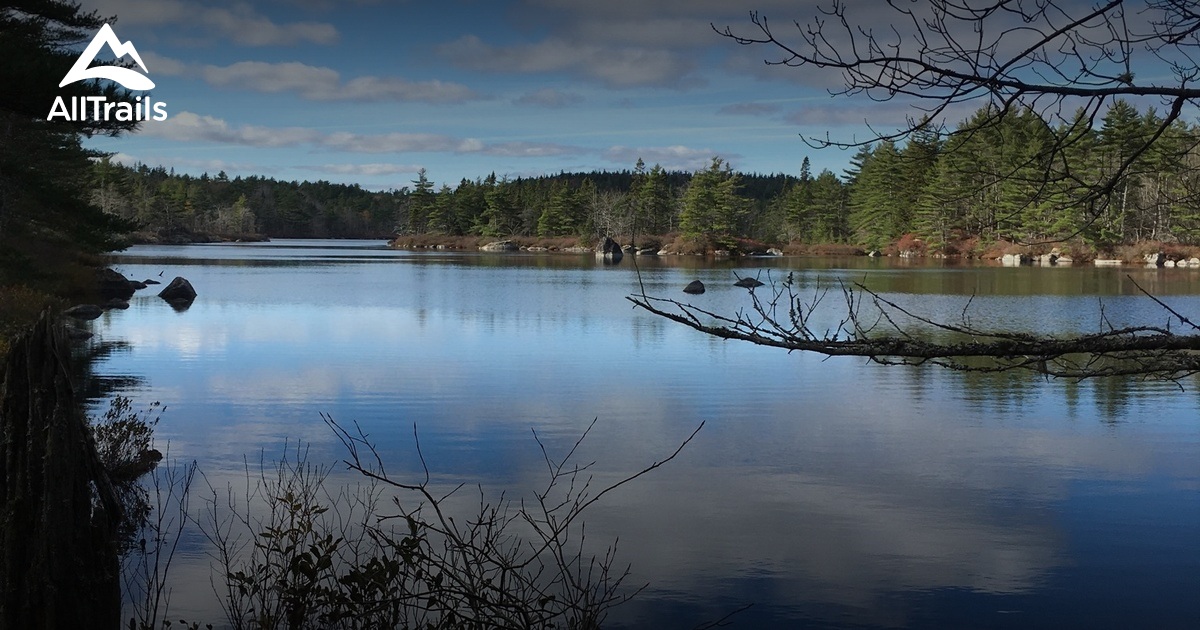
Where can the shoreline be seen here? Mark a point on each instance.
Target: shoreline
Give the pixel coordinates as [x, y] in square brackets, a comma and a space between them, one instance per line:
[1149, 253]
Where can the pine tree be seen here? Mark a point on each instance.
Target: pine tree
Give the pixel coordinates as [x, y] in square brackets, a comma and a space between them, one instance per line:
[441, 214]
[44, 170]
[828, 209]
[501, 214]
[656, 203]
[877, 214]
[557, 218]
[421, 203]
[798, 206]
[711, 206]
[1120, 136]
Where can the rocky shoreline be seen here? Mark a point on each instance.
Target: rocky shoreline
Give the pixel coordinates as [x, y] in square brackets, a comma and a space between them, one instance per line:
[115, 291]
[610, 250]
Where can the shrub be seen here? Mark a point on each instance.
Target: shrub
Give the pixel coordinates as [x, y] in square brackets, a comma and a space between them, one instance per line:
[311, 557]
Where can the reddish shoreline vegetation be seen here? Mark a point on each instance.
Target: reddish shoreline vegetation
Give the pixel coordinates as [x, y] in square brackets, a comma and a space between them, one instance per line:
[909, 246]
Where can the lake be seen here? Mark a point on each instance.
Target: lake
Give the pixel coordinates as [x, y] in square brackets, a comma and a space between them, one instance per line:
[825, 493]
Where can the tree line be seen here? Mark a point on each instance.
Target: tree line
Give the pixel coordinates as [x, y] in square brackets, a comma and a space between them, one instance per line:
[993, 178]
[1014, 177]
[642, 201]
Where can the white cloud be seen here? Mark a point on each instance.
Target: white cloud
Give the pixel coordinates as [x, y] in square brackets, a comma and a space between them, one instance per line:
[530, 149]
[549, 98]
[270, 77]
[124, 159]
[157, 64]
[246, 27]
[398, 143]
[191, 127]
[670, 24]
[373, 169]
[208, 166]
[370, 88]
[138, 12]
[672, 158]
[749, 109]
[894, 114]
[218, 165]
[239, 23]
[315, 83]
[618, 67]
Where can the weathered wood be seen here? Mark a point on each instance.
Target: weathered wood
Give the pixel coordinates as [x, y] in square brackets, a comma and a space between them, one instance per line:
[58, 513]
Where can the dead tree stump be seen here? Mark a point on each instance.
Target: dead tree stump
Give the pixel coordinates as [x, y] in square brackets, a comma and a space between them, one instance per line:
[58, 513]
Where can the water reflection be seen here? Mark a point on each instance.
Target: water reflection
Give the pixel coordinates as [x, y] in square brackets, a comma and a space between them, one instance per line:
[826, 492]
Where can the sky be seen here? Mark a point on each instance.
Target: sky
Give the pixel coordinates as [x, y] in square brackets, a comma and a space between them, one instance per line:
[371, 91]
[368, 92]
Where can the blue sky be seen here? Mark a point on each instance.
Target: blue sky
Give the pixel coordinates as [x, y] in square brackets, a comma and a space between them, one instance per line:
[369, 91]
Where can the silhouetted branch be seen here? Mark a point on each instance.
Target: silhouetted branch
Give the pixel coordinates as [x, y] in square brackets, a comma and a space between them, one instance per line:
[1133, 350]
[1066, 62]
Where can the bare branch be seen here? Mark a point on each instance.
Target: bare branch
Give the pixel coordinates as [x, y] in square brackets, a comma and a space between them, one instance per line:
[1132, 350]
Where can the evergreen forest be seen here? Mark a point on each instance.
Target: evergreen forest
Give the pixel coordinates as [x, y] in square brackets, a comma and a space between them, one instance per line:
[939, 189]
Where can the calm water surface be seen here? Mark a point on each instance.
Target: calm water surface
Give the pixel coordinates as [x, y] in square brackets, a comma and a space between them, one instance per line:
[825, 492]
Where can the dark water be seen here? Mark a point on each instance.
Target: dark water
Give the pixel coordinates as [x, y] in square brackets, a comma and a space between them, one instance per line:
[824, 492]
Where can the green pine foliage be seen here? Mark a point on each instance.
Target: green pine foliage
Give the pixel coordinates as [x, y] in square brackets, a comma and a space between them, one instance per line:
[1013, 177]
[44, 170]
[50, 229]
[711, 208]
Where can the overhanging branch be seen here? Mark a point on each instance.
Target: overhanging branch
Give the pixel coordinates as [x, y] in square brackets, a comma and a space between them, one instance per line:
[1152, 351]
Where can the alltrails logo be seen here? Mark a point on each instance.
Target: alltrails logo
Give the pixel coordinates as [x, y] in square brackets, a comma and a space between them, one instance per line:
[98, 106]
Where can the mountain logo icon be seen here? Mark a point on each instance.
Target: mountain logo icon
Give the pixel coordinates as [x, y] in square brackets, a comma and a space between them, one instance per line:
[126, 77]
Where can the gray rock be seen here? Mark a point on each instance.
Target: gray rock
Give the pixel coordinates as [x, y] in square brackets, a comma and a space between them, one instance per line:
[84, 311]
[748, 283]
[149, 282]
[178, 291]
[774, 251]
[647, 251]
[117, 303]
[113, 285]
[695, 287]
[608, 249]
[500, 246]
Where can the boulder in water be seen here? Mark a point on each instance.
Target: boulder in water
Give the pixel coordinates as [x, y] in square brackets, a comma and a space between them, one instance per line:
[178, 291]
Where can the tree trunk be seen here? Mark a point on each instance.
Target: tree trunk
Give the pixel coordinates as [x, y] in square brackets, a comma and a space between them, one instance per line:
[58, 513]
